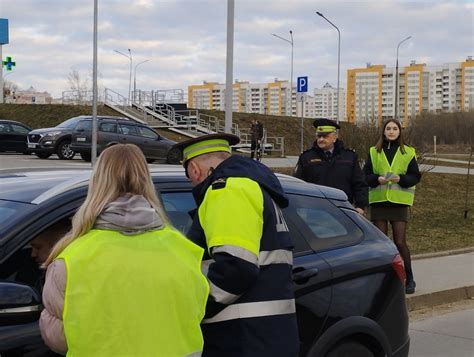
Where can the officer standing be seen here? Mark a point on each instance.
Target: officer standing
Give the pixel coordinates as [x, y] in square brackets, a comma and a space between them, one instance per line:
[328, 163]
[248, 260]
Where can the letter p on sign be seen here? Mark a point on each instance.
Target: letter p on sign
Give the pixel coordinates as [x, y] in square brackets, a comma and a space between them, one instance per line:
[302, 84]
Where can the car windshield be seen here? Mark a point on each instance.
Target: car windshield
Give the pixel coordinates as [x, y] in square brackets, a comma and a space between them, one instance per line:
[10, 210]
[70, 123]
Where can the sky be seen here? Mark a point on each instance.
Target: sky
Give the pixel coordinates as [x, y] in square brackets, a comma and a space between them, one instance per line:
[185, 41]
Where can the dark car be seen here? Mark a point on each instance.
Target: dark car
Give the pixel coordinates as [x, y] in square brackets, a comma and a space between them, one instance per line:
[113, 131]
[13, 136]
[348, 276]
[47, 141]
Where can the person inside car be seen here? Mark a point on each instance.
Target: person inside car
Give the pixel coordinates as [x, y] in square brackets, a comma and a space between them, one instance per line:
[123, 282]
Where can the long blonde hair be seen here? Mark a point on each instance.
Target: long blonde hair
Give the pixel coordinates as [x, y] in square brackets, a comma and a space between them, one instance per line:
[120, 169]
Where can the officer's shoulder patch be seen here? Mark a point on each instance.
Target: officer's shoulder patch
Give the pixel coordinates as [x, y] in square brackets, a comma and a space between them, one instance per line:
[219, 183]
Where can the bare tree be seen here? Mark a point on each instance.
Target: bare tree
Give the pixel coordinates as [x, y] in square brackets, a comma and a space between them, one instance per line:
[78, 85]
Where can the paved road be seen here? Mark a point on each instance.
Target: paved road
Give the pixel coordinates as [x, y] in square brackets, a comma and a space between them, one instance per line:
[450, 334]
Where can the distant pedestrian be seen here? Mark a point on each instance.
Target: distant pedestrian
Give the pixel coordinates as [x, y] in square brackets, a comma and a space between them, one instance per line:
[256, 136]
[329, 163]
[392, 173]
[123, 282]
[248, 251]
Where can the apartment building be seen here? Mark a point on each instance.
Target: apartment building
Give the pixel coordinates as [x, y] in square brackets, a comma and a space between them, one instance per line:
[421, 88]
[263, 98]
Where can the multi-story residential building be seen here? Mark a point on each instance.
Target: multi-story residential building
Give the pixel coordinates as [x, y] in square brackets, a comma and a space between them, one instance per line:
[325, 103]
[263, 98]
[421, 88]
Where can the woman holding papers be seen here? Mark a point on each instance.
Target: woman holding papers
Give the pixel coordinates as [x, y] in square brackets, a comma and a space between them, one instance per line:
[392, 173]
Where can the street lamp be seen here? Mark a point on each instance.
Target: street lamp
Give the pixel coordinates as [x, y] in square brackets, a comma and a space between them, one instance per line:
[396, 78]
[135, 78]
[129, 56]
[291, 76]
[338, 60]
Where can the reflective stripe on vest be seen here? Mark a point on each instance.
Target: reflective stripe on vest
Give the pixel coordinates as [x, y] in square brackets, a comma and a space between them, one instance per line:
[278, 256]
[121, 300]
[392, 192]
[254, 309]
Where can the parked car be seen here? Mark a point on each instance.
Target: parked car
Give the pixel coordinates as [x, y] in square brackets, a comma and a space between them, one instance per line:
[112, 131]
[47, 141]
[349, 277]
[13, 136]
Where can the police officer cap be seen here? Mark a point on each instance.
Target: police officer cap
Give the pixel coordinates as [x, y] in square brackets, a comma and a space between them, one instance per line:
[325, 126]
[206, 144]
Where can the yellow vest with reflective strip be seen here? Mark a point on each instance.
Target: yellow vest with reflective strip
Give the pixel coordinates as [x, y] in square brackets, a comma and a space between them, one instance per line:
[141, 295]
[392, 192]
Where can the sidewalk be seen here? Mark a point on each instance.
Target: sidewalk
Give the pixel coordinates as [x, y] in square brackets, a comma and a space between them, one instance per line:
[441, 280]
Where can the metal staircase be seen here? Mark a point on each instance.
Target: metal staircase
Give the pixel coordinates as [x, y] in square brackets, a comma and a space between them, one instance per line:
[151, 108]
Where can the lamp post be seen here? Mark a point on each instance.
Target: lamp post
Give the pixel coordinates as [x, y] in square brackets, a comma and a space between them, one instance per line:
[129, 56]
[396, 78]
[290, 41]
[135, 78]
[338, 60]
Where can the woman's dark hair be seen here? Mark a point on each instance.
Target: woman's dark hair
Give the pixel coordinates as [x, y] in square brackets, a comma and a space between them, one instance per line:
[401, 142]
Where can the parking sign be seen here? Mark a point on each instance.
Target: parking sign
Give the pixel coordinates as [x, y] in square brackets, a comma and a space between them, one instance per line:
[302, 84]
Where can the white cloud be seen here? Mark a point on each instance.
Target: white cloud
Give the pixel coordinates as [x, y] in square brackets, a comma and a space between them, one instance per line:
[186, 40]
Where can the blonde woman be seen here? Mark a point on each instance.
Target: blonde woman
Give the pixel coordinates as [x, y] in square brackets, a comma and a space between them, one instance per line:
[123, 282]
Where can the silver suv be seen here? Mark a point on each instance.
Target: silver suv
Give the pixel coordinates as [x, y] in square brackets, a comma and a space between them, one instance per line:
[113, 131]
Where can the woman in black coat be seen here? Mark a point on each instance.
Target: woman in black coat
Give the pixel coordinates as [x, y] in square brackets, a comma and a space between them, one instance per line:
[392, 188]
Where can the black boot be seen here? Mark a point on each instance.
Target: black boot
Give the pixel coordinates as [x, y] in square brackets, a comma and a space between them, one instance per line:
[410, 283]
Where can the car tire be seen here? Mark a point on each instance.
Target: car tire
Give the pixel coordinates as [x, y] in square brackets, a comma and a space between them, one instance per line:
[42, 155]
[64, 150]
[86, 157]
[174, 157]
[350, 348]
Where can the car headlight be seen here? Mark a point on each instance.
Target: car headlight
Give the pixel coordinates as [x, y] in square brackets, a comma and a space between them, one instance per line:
[53, 133]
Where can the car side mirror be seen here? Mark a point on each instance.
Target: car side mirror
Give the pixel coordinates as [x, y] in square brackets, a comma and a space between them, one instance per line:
[19, 304]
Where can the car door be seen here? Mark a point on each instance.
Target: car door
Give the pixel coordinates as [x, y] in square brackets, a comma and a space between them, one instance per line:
[311, 275]
[128, 134]
[4, 136]
[152, 143]
[18, 135]
[107, 133]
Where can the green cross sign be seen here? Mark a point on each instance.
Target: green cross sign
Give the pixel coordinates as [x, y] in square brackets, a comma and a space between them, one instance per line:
[9, 64]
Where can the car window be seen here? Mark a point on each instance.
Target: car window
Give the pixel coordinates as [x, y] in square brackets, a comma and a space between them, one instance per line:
[20, 129]
[84, 125]
[147, 132]
[108, 127]
[70, 123]
[323, 225]
[127, 129]
[4, 128]
[177, 206]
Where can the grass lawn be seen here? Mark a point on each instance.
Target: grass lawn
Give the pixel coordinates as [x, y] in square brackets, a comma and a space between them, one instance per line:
[437, 217]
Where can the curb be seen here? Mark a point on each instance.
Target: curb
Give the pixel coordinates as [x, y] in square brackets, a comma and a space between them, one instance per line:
[418, 302]
[443, 253]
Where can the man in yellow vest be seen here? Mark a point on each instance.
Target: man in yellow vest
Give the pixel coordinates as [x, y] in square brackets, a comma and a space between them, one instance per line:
[248, 251]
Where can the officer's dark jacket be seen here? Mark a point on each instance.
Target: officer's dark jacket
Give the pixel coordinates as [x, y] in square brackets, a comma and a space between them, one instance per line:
[341, 171]
[411, 178]
[250, 311]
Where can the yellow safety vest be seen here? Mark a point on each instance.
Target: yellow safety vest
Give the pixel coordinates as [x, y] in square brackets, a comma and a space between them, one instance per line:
[140, 295]
[392, 192]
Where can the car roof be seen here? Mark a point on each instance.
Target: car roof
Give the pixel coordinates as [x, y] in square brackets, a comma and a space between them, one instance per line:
[38, 185]
[102, 117]
[12, 122]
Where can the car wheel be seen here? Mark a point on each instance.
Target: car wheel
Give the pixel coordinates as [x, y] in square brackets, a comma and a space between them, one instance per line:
[86, 157]
[350, 348]
[42, 155]
[173, 157]
[64, 150]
